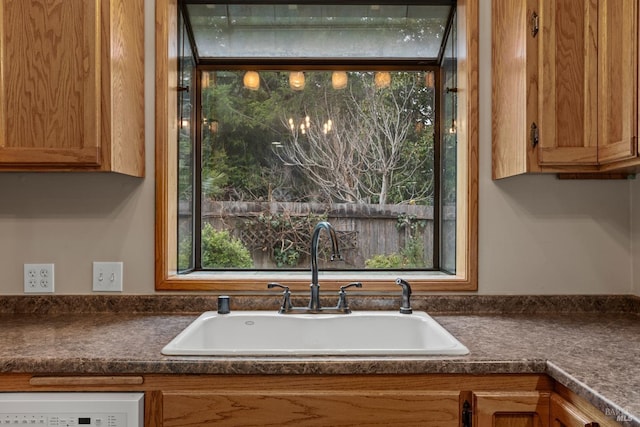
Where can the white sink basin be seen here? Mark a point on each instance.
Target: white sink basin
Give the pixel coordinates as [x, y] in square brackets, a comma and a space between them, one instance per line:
[265, 333]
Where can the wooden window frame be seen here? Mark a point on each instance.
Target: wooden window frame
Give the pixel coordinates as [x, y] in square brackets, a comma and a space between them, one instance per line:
[166, 128]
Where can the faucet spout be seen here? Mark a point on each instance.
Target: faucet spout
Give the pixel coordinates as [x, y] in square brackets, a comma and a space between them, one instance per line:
[314, 303]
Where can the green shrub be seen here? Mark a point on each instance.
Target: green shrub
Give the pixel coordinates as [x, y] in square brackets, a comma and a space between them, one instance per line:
[411, 256]
[413, 253]
[184, 253]
[286, 257]
[384, 261]
[221, 250]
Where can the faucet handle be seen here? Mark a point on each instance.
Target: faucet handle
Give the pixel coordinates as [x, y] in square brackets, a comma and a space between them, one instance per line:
[350, 285]
[286, 301]
[342, 296]
[405, 308]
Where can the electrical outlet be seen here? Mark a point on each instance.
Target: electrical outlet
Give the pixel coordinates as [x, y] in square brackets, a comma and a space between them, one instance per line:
[107, 276]
[38, 278]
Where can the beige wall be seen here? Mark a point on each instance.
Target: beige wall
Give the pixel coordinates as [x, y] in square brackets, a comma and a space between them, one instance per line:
[537, 234]
[73, 219]
[542, 235]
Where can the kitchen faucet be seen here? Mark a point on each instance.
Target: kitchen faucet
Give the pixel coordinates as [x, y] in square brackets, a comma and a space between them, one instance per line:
[314, 300]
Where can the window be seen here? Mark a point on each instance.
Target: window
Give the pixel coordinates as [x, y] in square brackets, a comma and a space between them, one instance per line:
[262, 130]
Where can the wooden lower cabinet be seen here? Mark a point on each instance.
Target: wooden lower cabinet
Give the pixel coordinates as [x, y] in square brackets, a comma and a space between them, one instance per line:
[564, 414]
[570, 410]
[317, 408]
[511, 409]
[349, 400]
[446, 400]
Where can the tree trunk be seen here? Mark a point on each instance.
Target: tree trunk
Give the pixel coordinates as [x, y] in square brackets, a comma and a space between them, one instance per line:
[384, 190]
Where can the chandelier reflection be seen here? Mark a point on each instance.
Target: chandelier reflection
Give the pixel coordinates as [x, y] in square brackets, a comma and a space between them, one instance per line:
[304, 125]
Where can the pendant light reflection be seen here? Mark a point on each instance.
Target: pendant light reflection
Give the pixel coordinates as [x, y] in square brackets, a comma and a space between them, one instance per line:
[339, 80]
[296, 80]
[382, 79]
[251, 80]
[454, 127]
[430, 79]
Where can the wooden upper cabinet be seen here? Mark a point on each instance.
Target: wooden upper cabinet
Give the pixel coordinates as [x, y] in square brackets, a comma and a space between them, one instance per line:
[72, 85]
[568, 82]
[565, 86]
[515, 87]
[618, 80]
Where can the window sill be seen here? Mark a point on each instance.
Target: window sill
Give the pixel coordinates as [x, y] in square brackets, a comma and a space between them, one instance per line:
[256, 281]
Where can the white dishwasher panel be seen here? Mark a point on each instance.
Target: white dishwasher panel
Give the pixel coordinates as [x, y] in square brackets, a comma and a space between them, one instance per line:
[72, 409]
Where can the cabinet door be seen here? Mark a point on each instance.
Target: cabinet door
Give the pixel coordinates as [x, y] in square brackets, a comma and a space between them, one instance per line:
[564, 414]
[568, 83]
[617, 75]
[314, 408]
[50, 82]
[511, 409]
[514, 60]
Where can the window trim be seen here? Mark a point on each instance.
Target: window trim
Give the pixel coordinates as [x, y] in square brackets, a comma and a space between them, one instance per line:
[166, 128]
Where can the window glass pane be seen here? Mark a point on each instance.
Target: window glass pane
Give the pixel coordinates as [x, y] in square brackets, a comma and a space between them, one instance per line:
[186, 74]
[449, 156]
[318, 31]
[282, 150]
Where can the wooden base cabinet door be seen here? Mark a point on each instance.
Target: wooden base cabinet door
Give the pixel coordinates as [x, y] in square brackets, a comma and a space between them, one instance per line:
[315, 408]
[564, 414]
[511, 409]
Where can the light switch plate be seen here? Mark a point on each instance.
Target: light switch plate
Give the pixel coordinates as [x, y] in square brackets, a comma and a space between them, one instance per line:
[107, 276]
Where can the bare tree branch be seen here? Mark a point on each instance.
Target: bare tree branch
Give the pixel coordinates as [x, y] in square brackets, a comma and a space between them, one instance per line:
[353, 150]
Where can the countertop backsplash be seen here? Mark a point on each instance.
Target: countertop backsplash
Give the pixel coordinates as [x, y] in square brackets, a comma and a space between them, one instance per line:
[433, 304]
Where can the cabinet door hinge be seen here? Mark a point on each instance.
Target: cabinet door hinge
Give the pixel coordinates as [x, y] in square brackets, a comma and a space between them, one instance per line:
[535, 24]
[534, 134]
[466, 414]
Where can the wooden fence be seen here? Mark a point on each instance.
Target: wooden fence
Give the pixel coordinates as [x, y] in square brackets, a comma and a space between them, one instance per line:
[364, 230]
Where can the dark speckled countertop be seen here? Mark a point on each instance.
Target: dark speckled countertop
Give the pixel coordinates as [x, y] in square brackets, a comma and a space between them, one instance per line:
[589, 344]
